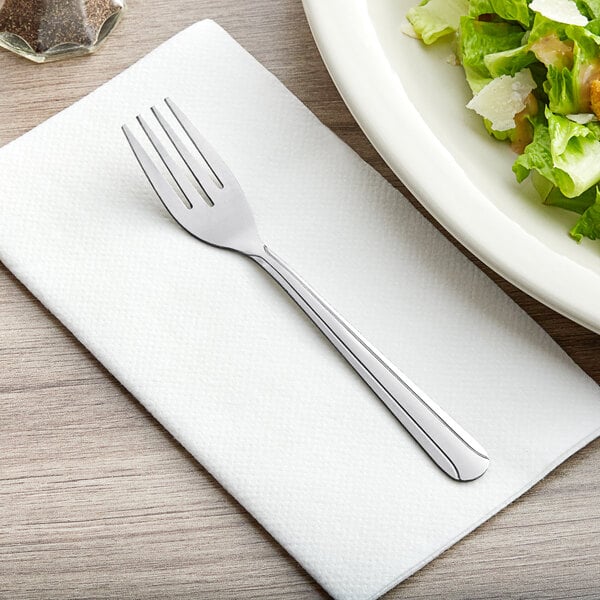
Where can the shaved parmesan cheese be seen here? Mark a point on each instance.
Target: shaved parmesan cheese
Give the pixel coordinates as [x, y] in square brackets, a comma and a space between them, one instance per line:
[561, 11]
[583, 118]
[501, 99]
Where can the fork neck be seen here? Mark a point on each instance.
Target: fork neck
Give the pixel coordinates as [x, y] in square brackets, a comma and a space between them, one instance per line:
[247, 242]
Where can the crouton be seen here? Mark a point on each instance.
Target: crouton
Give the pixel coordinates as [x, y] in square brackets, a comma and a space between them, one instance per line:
[595, 96]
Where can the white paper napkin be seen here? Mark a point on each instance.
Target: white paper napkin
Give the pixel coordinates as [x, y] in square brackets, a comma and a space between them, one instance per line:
[229, 365]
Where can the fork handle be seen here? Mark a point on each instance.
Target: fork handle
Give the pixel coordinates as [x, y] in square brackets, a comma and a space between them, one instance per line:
[452, 449]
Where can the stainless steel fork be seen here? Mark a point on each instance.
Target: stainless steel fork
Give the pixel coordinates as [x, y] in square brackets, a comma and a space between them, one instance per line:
[223, 218]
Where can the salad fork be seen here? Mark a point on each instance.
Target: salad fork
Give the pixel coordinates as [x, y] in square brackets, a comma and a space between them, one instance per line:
[216, 212]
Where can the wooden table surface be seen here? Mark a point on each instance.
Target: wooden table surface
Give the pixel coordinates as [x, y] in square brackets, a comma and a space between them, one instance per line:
[98, 501]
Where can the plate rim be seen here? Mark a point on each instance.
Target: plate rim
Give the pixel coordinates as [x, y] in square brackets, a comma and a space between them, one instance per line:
[550, 277]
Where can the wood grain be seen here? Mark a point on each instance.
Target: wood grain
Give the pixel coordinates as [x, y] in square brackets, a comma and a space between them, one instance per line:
[96, 499]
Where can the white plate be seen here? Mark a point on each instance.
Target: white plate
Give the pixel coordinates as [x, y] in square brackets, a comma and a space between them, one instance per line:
[410, 102]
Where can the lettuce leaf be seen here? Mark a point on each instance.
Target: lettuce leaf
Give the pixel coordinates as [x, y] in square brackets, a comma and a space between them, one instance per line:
[579, 204]
[479, 39]
[594, 26]
[511, 10]
[433, 19]
[575, 151]
[563, 85]
[509, 62]
[543, 26]
[589, 8]
[537, 155]
[588, 224]
[566, 154]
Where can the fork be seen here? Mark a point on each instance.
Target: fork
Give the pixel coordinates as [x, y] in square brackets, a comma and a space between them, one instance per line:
[217, 212]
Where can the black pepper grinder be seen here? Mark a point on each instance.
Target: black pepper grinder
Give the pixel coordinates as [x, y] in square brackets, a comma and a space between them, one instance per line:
[45, 30]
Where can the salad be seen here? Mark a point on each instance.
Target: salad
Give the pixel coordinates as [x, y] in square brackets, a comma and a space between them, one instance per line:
[534, 69]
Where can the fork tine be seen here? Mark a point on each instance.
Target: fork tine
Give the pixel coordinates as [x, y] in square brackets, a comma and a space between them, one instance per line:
[177, 172]
[161, 186]
[201, 172]
[220, 170]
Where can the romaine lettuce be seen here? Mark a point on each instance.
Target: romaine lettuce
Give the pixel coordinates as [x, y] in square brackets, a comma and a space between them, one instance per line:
[579, 204]
[575, 153]
[509, 62]
[510, 10]
[565, 153]
[477, 40]
[566, 87]
[433, 19]
[537, 155]
[589, 8]
[559, 145]
[588, 224]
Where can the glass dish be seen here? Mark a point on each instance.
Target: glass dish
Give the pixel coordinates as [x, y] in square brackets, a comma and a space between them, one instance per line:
[46, 30]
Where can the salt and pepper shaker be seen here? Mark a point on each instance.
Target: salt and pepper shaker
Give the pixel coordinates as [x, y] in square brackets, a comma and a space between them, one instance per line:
[46, 30]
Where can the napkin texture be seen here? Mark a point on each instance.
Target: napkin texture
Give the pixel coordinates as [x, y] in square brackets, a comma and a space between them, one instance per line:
[231, 367]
